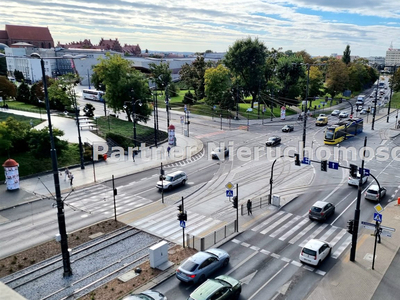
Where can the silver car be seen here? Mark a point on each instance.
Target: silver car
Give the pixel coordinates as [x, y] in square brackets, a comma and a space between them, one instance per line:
[146, 295]
[356, 180]
[372, 193]
[198, 267]
[172, 180]
[321, 210]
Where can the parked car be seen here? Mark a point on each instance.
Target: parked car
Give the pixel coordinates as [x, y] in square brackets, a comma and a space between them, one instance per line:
[336, 112]
[287, 128]
[172, 180]
[359, 108]
[146, 295]
[321, 210]
[363, 111]
[218, 152]
[273, 141]
[356, 180]
[321, 121]
[343, 114]
[372, 193]
[200, 266]
[314, 252]
[321, 115]
[221, 288]
[359, 102]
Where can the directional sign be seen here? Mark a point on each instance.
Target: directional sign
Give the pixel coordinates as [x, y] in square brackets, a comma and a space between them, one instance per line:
[378, 217]
[378, 208]
[368, 225]
[305, 161]
[388, 228]
[229, 193]
[366, 171]
[386, 233]
[183, 224]
[229, 185]
[333, 165]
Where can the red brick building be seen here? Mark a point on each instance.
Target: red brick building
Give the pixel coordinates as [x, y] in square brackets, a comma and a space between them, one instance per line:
[39, 37]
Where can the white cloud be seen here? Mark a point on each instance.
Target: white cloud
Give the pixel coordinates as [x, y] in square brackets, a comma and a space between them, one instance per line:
[201, 25]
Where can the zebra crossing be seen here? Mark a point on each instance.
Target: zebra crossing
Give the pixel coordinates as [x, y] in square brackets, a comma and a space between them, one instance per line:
[186, 161]
[165, 224]
[302, 230]
[98, 199]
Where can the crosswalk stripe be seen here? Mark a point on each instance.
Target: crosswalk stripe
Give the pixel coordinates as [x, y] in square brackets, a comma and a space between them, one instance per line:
[284, 227]
[210, 224]
[293, 230]
[343, 246]
[272, 226]
[269, 220]
[337, 237]
[328, 233]
[314, 234]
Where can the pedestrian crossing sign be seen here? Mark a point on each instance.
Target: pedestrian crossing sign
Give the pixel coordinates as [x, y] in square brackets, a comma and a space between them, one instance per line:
[378, 217]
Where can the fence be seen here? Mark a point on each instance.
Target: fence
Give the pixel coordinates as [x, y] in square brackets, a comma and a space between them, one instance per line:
[202, 243]
[257, 203]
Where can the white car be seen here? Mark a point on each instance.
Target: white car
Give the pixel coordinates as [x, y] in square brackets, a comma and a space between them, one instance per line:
[314, 252]
[336, 112]
[172, 180]
[343, 114]
[355, 181]
[219, 153]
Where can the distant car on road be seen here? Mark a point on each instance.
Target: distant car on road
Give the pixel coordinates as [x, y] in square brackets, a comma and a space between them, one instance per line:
[146, 295]
[359, 108]
[363, 112]
[221, 288]
[343, 114]
[314, 252]
[336, 112]
[287, 128]
[218, 152]
[356, 180]
[321, 121]
[273, 141]
[359, 102]
[373, 193]
[321, 210]
[198, 267]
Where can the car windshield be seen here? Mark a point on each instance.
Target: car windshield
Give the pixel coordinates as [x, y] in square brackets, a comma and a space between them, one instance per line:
[168, 178]
[320, 119]
[223, 282]
[271, 139]
[329, 134]
[309, 252]
[217, 150]
[189, 266]
[372, 192]
[316, 209]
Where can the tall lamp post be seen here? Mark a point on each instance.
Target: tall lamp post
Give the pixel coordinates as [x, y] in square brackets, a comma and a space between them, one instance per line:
[60, 205]
[167, 104]
[134, 116]
[79, 129]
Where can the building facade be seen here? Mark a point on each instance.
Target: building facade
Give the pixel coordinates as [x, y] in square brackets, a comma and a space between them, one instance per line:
[39, 37]
[392, 57]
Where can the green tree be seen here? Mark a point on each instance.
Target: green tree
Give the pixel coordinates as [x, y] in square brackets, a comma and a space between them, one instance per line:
[316, 82]
[13, 135]
[124, 85]
[395, 81]
[217, 83]
[289, 71]
[7, 88]
[161, 74]
[39, 142]
[246, 59]
[36, 93]
[306, 57]
[18, 75]
[337, 77]
[5, 139]
[3, 66]
[188, 98]
[23, 93]
[346, 55]
[358, 76]
[88, 110]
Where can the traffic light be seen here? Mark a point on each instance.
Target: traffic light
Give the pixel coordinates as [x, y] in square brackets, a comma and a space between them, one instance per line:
[184, 216]
[350, 226]
[235, 202]
[162, 177]
[297, 159]
[353, 170]
[180, 208]
[324, 165]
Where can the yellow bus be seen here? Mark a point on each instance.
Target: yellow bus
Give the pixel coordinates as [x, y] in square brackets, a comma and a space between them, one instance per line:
[343, 130]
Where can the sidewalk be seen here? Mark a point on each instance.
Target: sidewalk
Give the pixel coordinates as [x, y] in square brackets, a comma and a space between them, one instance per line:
[38, 187]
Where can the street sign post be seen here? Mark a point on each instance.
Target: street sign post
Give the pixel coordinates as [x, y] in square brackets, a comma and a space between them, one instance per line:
[229, 185]
[366, 171]
[378, 208]
[183, 224]
[378, 217]
[367, 225]
[305, 161]
[229, 193]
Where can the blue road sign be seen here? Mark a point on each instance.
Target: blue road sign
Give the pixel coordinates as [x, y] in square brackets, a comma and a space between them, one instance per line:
[183, 224]
[333, 165]
[229, 193]
[366, 171]
[377, 217]
[305, 161]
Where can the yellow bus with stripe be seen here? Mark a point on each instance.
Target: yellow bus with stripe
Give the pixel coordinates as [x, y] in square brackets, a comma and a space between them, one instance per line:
[343, 130]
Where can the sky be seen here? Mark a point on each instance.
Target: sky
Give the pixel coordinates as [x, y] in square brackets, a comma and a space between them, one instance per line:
[321, 27]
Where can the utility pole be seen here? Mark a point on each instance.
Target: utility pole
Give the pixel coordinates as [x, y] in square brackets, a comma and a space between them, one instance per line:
[357, 210]
[114, 194]
[390, 101]
[376, 100]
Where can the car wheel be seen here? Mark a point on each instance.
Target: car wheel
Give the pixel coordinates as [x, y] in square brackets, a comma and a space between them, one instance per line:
[226, 262]
[201, 279]
[183, 182]
[319, 263]
[169, 187]
[329, 253]
[237, 293]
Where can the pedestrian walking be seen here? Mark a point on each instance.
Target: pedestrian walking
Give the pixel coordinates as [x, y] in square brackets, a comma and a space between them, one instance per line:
[71, 178]
[249, 204]
[66, 174]
[168, 149]
[133, 155]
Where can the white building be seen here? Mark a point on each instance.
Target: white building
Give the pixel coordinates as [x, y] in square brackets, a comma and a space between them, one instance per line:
[392, 57]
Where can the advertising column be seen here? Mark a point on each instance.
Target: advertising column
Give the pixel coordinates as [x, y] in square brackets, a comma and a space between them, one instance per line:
[171, 135]
[11, 174]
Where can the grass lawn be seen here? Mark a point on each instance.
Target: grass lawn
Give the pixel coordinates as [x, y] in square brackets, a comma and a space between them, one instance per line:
[19, 118]
[25, 107]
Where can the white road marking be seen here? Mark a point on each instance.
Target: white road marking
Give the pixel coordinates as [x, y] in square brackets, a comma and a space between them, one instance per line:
[272, 226]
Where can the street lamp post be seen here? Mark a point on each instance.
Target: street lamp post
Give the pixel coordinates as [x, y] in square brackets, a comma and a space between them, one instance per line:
[60, 204]
[167, 104]
[134, 116]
